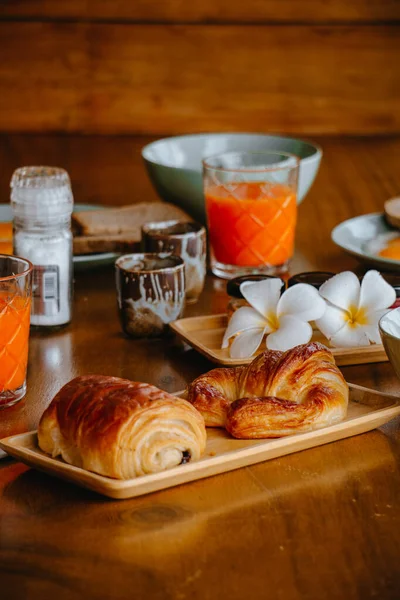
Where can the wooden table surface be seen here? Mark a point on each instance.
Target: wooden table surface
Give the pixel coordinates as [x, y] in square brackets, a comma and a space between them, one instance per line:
[322, 523]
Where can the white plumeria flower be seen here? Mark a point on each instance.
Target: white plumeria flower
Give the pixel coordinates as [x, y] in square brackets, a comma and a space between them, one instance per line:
[353, 309]
[284, 318]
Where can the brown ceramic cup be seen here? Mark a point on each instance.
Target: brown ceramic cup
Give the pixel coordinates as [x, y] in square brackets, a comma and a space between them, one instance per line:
[185, 239]
[150, 292]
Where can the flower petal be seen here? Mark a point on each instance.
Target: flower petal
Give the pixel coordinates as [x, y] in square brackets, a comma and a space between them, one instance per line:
[262, 295]
[242, 319]
[376, 293]
[302, 301]
[246, 343]
[350, 336]
[292, 332]
[372, 328]
[342, 290]
[332, 320]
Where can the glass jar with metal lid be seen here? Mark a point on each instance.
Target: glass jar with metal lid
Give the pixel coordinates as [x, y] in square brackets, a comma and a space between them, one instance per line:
[42, 203]
[236, 299]
[314, 278]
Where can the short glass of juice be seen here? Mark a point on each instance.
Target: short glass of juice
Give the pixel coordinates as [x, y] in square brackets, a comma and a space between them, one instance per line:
[251, 205]
[15, 308]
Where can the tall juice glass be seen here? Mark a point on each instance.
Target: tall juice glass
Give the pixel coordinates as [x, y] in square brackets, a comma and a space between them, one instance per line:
[251, 204]
[15, 308]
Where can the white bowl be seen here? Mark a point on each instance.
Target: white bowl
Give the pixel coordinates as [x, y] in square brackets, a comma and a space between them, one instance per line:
[389, 328]
[175, 169]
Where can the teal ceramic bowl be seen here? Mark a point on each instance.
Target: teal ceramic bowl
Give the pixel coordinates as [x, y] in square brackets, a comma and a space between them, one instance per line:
[175, 169]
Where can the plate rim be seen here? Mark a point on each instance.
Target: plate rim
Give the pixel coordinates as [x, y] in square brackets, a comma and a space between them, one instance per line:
[365, 256]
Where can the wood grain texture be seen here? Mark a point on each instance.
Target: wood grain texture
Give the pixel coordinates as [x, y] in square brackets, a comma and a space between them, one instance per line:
[357, 175]
[103, 170]
[323, 523]
[206, 11]
[94, 78]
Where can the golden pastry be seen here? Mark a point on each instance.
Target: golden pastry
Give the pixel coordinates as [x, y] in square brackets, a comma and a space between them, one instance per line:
[278, 394]
[120, 428]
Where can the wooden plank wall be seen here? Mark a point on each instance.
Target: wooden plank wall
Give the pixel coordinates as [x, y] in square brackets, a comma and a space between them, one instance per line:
[206, 11]
[175, 66]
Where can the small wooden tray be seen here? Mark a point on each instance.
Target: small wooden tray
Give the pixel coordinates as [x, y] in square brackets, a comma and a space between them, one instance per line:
[367, 410]
[205, 335]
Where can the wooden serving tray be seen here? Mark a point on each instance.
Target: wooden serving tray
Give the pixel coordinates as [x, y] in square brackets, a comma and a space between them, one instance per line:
[205, 335]
[367, 410]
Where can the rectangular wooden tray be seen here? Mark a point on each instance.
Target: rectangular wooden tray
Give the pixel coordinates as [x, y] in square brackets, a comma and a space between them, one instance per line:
[367, 410]
[205, 335]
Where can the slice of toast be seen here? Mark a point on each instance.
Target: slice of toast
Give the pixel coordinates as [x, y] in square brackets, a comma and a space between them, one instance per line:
[115, 221]
[90, 244]
[392, 211]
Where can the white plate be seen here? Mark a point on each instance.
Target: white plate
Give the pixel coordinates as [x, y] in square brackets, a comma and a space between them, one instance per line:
[360, 236]
[83, 261]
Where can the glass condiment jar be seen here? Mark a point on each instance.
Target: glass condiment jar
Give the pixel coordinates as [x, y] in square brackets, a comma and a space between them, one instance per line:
[42, 204]
[236, 299]
[314, 278]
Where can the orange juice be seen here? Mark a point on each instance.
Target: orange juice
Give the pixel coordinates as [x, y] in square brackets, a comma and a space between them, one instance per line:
[251, 224]
[14, 334]
[6, 231]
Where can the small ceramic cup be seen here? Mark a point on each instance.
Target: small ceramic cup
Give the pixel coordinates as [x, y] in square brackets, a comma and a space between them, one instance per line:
[150, 292]
[389, 328]
[185, 239]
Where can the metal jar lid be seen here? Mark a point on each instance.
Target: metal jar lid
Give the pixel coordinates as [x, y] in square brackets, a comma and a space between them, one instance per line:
[40, 192]
[314, 278]
[233, 285]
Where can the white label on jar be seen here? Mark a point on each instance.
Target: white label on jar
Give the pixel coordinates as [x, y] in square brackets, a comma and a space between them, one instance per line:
[46, 290]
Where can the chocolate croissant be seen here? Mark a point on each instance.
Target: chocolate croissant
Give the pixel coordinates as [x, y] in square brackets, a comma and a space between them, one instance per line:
[120, 428]
[278, 394]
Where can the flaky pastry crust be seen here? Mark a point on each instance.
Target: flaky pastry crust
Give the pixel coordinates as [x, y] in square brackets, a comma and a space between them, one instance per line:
[278, 394]
[120, 428]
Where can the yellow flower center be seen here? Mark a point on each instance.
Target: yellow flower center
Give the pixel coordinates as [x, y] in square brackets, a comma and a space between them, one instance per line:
[273, 320]
[358, 316]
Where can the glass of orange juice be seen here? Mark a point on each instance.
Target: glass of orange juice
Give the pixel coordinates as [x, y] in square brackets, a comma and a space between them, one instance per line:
[251, 204]
[15, 308]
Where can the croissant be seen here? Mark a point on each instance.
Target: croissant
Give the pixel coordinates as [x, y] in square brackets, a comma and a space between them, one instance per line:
[120, 428]
[278, 394]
